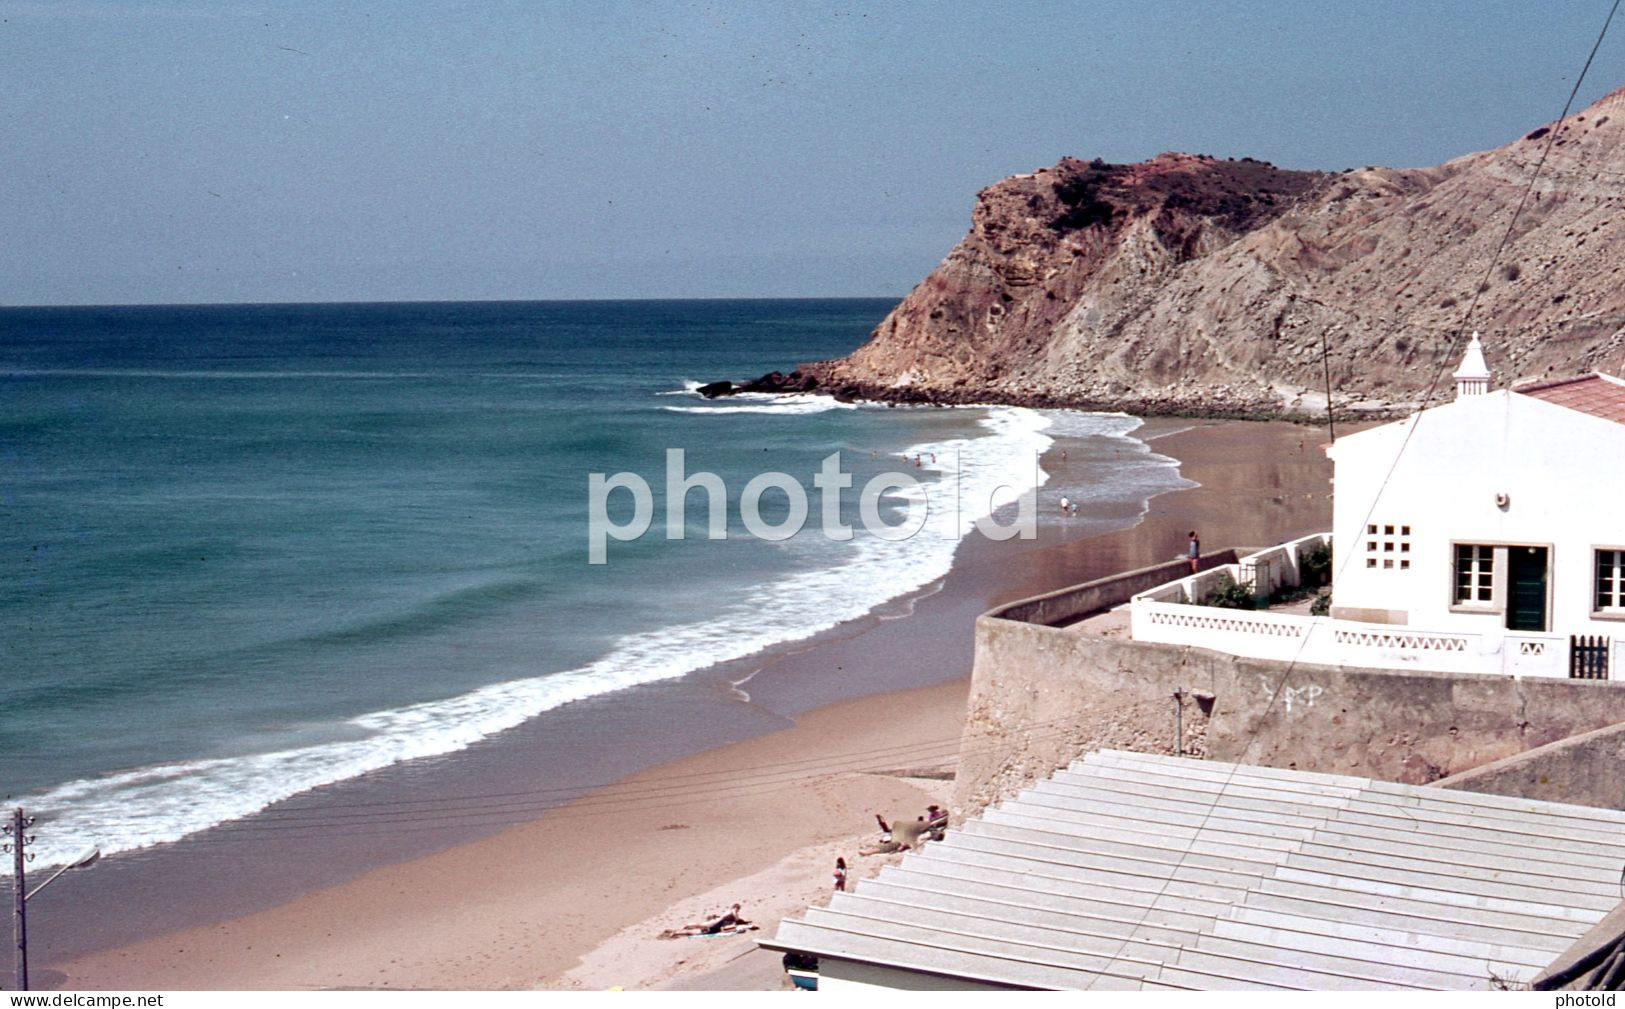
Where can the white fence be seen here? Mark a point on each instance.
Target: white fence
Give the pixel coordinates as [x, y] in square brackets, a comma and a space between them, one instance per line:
[1169, 614]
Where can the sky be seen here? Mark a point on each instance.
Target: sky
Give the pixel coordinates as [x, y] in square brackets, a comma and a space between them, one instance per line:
[179, 151]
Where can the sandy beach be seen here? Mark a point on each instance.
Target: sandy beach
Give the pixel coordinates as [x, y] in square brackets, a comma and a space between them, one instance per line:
[795, 755]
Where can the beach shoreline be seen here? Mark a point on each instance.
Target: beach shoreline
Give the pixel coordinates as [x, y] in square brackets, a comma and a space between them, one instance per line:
[578, 877]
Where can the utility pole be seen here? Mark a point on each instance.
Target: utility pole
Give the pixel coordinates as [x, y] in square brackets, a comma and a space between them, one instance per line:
[19, 888]
[1326, 365]
[1179, 722]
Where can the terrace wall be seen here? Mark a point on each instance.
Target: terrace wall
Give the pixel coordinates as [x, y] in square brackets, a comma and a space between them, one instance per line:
[1042, 696]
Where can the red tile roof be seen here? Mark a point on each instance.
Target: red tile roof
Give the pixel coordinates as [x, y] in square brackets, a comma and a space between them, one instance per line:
[1598, 395]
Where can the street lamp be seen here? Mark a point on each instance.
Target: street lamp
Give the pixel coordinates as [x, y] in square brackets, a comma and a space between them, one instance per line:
[19, 885]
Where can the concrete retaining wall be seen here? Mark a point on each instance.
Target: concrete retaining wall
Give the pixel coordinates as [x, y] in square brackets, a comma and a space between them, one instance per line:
[1587, 769]
[1043, 696]
[1063, 606]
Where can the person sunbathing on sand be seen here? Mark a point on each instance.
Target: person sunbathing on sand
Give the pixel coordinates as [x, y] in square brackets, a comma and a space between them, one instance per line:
[900, 837]
[730, 922]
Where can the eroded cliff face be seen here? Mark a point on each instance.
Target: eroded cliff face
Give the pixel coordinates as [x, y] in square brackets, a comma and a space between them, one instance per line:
[1189, 284]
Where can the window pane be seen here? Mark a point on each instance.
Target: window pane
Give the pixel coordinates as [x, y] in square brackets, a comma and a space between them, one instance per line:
[1610, 579]
[1475, 575]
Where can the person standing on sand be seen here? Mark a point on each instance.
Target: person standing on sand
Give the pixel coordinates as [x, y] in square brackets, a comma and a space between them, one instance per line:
[840, 875]
[1195, 552]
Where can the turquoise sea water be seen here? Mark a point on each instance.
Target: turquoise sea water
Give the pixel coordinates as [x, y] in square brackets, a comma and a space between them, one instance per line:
[248, 550]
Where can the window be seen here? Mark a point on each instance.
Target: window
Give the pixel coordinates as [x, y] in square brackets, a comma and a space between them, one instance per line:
[1395, 539]
[1475, 574]
[1610, 593]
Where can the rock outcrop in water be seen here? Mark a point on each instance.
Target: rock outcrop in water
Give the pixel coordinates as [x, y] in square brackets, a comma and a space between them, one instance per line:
[1192, 284]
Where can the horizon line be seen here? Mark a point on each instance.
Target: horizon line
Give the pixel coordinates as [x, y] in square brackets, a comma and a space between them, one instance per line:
[444, 301]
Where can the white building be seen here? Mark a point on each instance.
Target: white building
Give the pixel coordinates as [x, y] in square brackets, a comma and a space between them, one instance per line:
[1489, 528]
[1498, 511]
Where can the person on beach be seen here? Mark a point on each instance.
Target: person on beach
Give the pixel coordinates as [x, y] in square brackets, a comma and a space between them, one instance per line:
[936, 822]
[900, 836]
[1195, 552]
[732, 922]
[840, 875]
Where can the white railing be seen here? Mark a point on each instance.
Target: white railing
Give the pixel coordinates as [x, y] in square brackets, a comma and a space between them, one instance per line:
[1168, 614]
[1291, 637]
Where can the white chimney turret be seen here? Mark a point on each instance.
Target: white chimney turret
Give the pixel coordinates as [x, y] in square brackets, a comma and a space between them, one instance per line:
[1473, 377]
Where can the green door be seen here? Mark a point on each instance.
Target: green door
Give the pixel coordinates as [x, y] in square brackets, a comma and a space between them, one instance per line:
[1526, 588]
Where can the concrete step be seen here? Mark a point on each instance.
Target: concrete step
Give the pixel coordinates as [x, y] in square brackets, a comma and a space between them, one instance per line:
[1137, 872]
[1343, 881]
[1386, 819]
[1068, 799]
[1279, 974]
[1305, 777]
[910, 886]
[1157, 779]
[1040, 930]
[1104, 793]
[1187, 883]
[1062, 820]
[1410, 945]
[1512, 803]
[1183, 979]
[1415, 868]
[1308, 896]
[1434, 862]
[1213, 773]
[1172, 907]
[1369, 837]
[1464, 828]
[1459, 885]
[1130, 897]
[1313, 953]
[1221, 853]
[1508, 808]
[1417, 804]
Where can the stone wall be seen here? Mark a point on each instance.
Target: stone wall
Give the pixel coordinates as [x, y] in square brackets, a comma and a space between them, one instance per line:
[1043, 696]
[1077, 601]
[1587, 769]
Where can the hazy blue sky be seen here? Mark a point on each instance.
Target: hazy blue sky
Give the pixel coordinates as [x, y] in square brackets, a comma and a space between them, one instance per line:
[312, 151]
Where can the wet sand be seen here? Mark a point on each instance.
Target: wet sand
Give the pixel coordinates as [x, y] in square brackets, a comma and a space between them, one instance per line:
[467, 872]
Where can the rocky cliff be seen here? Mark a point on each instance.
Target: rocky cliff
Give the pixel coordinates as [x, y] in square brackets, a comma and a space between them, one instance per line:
[1192, 284]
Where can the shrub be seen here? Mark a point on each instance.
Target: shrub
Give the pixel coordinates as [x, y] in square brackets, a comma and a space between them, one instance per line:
[1316, 566]
[1322, 606]
[1230, 596]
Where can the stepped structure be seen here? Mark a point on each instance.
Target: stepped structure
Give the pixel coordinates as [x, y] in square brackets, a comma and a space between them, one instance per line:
[1134, 871]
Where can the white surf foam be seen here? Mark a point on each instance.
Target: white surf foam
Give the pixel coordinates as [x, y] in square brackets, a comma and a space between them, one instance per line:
[752, 403]
[183, 798]
[1133, 472]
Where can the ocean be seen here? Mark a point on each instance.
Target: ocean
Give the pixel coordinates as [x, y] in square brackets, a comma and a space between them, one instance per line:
[251, 550]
